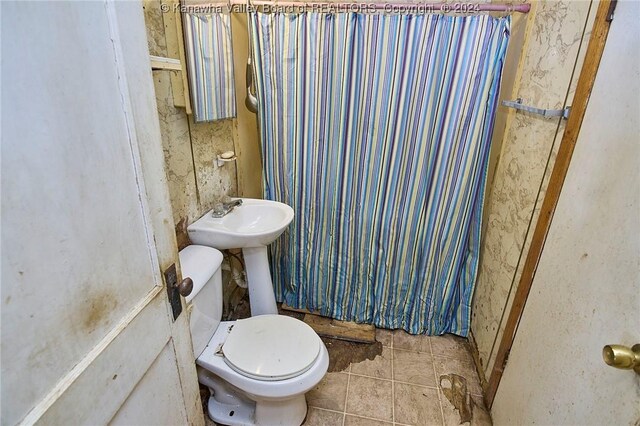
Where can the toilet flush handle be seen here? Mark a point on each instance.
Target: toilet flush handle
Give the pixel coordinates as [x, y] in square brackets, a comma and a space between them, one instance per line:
[185, 287]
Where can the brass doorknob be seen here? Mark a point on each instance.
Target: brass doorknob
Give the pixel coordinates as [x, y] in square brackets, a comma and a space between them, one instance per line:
[623, 357]
[185, 287]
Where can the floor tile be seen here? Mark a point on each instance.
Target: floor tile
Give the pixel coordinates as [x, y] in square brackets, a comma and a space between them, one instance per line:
[379, 367]
[330, 393]
[404, 340]
[361, 421]
[416, 405]
[413, 367]
[462, 368]
[480, 414]
[319, 417]
[384, 336]
[370, 398]
[451, 346]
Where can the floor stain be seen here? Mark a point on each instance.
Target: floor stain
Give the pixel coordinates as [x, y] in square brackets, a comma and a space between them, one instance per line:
[458, 395]
[472, 412]
[342, 353]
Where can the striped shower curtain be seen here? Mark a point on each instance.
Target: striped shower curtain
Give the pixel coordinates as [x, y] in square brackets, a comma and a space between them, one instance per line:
[376, 130]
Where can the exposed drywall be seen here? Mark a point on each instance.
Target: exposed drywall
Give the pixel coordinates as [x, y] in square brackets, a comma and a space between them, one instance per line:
[553, 43]
[195, 182]
[586, 291]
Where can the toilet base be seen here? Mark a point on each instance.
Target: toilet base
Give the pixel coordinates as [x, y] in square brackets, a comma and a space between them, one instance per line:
[286, 412]
[230, 406]
[241, 413]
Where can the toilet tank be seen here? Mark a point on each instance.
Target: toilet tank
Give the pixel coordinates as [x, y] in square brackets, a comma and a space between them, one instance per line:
[202, 265]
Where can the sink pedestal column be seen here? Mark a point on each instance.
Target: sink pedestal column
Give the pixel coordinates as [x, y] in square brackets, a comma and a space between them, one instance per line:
[261, 295]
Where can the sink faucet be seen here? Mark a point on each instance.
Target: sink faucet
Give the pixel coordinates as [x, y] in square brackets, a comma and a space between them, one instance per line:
[222, 209]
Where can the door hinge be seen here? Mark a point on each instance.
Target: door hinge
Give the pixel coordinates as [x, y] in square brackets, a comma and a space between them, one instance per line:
[612, 9]
[171, 281]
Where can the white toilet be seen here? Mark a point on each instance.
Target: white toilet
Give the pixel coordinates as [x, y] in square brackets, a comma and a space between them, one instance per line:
[257, 369]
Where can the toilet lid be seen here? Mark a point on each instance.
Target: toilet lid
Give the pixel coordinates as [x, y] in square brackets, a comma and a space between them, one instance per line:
[271, 347]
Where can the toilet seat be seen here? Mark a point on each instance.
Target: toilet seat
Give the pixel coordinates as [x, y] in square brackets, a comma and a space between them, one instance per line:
[212, 360]
[271, 347]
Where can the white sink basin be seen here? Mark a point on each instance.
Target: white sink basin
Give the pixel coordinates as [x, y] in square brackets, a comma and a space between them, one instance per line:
[255, 223]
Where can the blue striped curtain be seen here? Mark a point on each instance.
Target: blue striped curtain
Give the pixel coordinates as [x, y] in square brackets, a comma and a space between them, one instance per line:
[376, 130]
[209, 52]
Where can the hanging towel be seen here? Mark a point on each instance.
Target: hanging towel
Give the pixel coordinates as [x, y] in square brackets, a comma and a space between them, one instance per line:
[209, 54]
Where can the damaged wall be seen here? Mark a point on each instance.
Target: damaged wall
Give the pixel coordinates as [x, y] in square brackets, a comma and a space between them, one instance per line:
[195, 182]
[555, 42]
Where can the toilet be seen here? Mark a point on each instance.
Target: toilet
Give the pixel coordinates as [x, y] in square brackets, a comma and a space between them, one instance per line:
[257, 369]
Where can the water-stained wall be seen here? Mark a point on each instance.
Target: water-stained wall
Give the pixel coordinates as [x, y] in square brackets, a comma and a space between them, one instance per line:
[552, 53]
[190, 149]
[195, 182]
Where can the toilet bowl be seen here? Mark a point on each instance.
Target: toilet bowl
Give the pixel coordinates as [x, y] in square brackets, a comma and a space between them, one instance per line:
[257, 369]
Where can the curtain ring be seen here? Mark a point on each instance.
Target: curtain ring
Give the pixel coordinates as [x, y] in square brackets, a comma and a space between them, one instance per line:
[507, 10]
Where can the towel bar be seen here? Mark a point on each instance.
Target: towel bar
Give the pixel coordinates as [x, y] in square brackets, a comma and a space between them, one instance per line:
[546, 113]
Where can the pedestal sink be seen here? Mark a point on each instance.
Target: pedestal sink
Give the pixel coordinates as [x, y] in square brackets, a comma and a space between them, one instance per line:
[251, 227]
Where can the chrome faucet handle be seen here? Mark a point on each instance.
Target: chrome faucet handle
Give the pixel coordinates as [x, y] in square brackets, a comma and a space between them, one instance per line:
[218, 210]
[233, 203]
[221, 209]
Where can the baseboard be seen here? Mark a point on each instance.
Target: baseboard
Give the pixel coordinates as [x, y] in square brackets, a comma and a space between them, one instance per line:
[478, 364]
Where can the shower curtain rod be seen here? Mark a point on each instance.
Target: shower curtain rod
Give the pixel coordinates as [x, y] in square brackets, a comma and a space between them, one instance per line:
[390, 6]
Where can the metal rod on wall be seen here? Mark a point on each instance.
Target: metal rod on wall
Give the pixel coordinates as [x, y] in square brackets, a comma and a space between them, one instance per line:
[390, 7]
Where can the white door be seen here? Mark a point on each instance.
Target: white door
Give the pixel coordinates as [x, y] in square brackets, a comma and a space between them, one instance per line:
[586, 292]
[87, 331]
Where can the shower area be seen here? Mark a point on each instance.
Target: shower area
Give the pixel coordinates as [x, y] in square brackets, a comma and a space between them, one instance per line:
[386, 128]
[376, 129]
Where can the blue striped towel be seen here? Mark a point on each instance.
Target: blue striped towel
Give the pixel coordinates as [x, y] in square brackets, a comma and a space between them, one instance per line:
[209, 52]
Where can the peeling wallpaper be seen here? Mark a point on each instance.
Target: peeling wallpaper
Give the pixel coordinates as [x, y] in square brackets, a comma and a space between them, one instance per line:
[554, 46]
[195, 182]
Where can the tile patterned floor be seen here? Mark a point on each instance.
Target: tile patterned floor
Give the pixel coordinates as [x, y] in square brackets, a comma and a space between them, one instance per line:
[398, 387]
